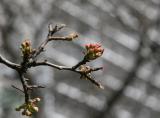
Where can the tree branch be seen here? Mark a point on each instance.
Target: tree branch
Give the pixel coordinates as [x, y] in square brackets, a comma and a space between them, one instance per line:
[95, 82]
[9, 64]
[45, 63]
[25, 89]
[51, 32]
[73, 69]
[18, 88]
[84, 61]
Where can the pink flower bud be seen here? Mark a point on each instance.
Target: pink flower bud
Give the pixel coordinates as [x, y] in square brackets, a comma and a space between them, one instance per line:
[93, 51]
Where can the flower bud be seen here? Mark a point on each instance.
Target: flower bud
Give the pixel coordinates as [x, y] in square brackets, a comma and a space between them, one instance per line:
[72, 36]
[36, 109]
[38, 99]
[28, 113]
[26, 48]
[93, 51]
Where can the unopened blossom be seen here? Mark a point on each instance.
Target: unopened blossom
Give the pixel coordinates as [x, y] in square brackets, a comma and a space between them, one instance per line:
[30, 107]
[72, 36]
[93, 51]
[26, 48]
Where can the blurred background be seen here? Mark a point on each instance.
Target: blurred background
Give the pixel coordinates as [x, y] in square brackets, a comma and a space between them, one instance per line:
[129, 31]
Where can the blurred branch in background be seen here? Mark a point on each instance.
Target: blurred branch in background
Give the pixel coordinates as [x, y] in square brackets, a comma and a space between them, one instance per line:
[145, 45]
[140, 59]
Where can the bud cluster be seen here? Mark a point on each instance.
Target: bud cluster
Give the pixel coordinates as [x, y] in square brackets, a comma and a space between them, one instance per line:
[26, 48]
[30, 107]
[93, 51]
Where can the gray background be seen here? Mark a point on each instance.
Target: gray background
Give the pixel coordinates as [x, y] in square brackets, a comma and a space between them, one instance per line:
[129, 32]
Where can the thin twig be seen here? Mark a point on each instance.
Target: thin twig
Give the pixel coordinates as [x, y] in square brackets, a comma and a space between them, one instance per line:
[9, 64]
[17, 88]
[84, 61]
[55, 29]
[34, 86]
[70, 37]
[95, 82]
[50, 34]
[45, 63]
[40, 48]
[59, 38]
[24, 84]
[96, 69]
